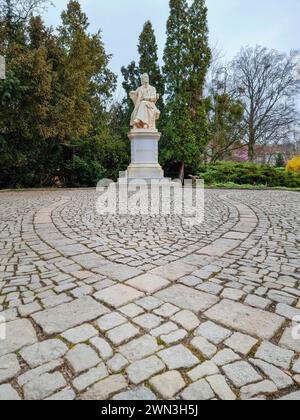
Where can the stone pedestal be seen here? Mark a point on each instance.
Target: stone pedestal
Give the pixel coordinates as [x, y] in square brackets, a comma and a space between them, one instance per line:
[144, 155]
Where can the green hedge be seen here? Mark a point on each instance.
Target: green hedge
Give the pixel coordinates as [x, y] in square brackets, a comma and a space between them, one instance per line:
[82, 173]
[248, 174]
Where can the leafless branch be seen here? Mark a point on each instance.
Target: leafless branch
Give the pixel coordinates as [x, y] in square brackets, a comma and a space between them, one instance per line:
[20, 10]
[268, 84]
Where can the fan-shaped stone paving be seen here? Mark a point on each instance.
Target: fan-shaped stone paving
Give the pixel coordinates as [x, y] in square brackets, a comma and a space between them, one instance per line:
[149, 308]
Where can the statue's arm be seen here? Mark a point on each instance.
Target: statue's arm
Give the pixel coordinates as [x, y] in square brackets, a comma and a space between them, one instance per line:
[153, 98]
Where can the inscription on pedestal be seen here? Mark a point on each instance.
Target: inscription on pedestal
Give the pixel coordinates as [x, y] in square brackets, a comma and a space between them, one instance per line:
[144, 155]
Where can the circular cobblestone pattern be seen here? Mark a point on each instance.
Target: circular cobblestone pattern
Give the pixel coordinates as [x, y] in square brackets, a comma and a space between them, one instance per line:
[148, 308]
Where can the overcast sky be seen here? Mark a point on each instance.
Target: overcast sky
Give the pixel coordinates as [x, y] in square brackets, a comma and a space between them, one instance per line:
[232, 23]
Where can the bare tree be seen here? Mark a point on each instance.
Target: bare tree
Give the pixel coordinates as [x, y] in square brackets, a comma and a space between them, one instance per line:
[20, 10]
[225, 111]
[267, 83]
[296, 141]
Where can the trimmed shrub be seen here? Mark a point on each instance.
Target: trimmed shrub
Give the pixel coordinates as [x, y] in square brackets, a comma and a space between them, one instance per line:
[248, 174]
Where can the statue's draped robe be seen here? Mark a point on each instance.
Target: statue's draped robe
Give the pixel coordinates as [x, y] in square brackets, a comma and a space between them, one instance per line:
[145, 109]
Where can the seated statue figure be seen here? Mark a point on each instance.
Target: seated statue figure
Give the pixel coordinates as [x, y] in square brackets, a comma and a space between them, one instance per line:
[145, 111]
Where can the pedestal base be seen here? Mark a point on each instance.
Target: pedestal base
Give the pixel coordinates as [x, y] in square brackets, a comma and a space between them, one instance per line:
[144, 171]
[144, 155]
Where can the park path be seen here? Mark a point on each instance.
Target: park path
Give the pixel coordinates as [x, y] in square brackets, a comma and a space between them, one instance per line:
[149, 308]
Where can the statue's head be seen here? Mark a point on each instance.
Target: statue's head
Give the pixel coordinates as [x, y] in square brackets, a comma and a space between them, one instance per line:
[144, 78]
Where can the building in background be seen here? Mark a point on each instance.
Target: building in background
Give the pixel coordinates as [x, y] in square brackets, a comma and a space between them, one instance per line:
[267, 154]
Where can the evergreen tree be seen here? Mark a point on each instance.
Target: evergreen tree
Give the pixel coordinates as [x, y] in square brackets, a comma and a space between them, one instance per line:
[280, 161]
[85, 80]
[131, 77]
[199, 62]
[179, 142]
[55, 94]
[82, 112]
[187, 54]
[199, 50]
[148, 63]
[24, 113]
[37, 32]
[187, 57]
[175, 54]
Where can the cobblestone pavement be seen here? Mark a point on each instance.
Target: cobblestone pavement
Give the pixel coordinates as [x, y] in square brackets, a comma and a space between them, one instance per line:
[140, 308]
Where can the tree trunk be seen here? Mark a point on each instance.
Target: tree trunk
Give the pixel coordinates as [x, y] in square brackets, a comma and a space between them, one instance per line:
[181, 171]
[251, 145]
[251, 152]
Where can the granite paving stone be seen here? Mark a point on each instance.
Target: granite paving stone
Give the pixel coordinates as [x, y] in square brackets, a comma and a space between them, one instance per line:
[69, 315]
[82, 357]
[177, 357]
[245, 319]
[44, 352]
[168, 385]
[142, 370]
[18, 334]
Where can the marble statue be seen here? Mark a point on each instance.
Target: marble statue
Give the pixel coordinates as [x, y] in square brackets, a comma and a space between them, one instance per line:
[145, 111]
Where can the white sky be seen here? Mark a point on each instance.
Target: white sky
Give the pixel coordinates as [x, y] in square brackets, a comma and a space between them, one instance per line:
[232, 23]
